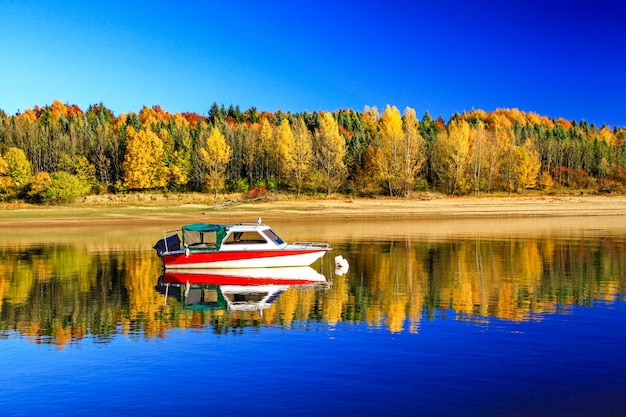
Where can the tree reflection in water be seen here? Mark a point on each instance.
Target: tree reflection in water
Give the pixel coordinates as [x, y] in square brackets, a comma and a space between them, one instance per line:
[63, 293]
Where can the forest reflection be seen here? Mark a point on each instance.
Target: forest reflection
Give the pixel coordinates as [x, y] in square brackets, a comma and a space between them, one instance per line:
[63, 293]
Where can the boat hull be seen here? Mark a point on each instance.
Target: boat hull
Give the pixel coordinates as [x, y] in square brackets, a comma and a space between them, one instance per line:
[242, 259]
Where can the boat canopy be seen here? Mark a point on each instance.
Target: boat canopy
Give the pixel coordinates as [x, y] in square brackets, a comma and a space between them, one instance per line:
[203, 227]
[198, 235]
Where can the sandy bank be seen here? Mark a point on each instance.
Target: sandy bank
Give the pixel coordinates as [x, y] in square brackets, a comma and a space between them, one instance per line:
[324, 209]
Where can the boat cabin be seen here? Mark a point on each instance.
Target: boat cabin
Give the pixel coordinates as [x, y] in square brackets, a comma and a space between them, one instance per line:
[217, 237]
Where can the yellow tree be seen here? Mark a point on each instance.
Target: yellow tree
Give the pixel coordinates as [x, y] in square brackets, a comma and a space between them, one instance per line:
[285, 146]
[40, 182]
[507, 147]
[477, 150]
[15, 172]
[177, 146]
[143, 164]
[330, 149]
[215, 155]
[267, 149]
[303, 154]
[526, 166]
[490, 157]
[413, 155]
[250, 151]
[5, 181]
[388, 154]
[58, 109]
[451, 155]
[400, 155]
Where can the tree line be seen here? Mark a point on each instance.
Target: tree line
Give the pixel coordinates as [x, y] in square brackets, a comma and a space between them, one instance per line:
[59, 152]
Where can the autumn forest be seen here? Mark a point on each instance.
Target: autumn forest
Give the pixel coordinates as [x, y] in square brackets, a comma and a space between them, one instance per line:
[59, 152]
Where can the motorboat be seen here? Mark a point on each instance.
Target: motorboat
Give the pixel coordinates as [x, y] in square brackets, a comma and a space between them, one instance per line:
[241, 245]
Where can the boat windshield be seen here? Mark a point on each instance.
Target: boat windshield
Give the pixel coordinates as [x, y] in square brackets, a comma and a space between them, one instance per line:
[248, 237]
[271, 235]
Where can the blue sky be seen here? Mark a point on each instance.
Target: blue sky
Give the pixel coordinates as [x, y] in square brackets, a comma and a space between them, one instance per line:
[556, 58]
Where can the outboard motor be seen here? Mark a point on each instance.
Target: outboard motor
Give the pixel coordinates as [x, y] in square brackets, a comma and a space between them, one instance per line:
[168, 244]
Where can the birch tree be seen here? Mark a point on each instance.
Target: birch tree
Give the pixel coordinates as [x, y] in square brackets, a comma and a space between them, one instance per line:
[250, 153]
[526, 166]
[285, 145]
[451, 155]
[400, 155]
[267, 149]
[388, 154]
[330, 149]
[215, 155]
[413, 151]
[303, 154]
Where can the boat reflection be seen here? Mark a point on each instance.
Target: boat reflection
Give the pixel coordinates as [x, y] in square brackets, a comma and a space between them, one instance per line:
[250, 289]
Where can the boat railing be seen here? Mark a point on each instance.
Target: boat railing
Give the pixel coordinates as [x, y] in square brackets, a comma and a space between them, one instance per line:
[320, 245]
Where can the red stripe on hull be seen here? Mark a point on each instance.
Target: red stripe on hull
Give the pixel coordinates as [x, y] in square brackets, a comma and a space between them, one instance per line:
[227, 256]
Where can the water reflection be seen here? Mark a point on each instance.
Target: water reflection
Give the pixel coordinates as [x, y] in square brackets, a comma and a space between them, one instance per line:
[253, 289]
[63, 293]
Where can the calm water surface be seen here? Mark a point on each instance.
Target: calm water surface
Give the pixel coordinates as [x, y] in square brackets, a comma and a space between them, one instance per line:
[433, 318]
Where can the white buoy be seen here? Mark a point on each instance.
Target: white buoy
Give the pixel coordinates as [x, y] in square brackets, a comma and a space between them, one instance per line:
[341, 265]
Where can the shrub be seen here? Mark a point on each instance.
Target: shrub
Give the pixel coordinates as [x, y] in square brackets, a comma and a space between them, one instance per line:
[546, 182]
[15, 173]
[241, 186]
[64, 188]
[421, 185]
[256, 192]
[39, 183]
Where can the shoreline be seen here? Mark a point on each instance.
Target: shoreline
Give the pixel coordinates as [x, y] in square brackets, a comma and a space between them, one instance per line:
[308, 210]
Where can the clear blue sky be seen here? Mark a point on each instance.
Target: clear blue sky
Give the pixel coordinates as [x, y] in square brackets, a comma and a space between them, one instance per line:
[556, 58]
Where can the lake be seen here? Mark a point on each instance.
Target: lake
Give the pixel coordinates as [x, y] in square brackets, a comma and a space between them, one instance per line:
[467, 317]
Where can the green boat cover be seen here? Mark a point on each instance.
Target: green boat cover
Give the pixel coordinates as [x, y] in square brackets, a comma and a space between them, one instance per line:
[203, 227]
[194, 233]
